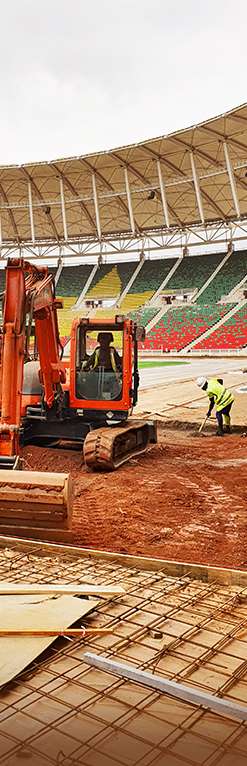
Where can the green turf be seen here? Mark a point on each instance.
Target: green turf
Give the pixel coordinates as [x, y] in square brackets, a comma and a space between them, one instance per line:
[159, 363]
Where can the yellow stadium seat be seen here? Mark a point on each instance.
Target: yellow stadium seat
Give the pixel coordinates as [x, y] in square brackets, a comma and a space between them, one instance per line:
[132, 301]
[107, 287]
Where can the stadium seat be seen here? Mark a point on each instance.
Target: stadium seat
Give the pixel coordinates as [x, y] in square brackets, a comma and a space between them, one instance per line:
[72, 280]
[110, 280]
[231, 273]
[148, 280]
[180, 326]
[231, 335]
[193, 272]
[144, 316]
[152, 273]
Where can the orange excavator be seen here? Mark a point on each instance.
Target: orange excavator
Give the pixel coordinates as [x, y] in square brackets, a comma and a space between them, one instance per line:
[82, 399]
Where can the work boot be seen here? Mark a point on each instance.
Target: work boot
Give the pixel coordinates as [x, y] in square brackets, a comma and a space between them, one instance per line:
[219, 432]
[227, 429]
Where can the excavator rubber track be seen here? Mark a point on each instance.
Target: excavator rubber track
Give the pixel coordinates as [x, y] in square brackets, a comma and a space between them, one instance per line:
[105, 449]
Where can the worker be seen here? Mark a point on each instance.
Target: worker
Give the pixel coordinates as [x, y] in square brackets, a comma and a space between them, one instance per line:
[105, 355]
[222, 398]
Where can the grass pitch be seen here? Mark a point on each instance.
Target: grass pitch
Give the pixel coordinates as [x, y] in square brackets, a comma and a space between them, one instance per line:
[159, 363]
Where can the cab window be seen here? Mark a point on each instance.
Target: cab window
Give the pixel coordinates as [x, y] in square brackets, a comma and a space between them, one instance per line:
[99, 365]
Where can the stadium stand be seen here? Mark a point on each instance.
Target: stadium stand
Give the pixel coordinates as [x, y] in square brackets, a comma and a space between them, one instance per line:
[180, 326]
[228, 277]
[231, 335]
[193, 272]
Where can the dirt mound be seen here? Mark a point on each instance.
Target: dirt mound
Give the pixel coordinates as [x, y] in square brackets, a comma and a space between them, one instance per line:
[185, 500]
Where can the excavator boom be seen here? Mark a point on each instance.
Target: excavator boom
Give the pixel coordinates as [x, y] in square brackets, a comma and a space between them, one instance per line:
[29, 295]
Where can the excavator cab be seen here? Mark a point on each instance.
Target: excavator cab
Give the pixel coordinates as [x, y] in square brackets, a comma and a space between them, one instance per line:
[101, 368]
[99, 365]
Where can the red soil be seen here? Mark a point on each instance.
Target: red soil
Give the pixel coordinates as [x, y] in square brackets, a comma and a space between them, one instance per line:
[185, 500]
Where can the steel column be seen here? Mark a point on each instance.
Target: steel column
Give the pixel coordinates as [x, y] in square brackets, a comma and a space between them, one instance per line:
[63, 210]
[30, 206]
[163, 195]
[231, 179]
[197, 187]
[127, 186]
[96, 206]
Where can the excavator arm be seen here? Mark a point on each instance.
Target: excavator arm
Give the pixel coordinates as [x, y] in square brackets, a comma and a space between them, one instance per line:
[29, 295]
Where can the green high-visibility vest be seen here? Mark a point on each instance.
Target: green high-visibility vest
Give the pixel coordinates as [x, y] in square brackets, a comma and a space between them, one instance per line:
[222, 396]
[112, 358]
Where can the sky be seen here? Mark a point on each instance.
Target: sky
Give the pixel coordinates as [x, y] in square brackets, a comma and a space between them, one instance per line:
[79, 76]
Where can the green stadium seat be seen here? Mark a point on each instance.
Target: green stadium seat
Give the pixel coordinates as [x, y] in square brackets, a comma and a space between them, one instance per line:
[228, 277]
[193, 272]
[72, 280]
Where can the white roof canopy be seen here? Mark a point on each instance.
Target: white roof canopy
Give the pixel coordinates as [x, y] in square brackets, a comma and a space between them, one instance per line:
[194, 177]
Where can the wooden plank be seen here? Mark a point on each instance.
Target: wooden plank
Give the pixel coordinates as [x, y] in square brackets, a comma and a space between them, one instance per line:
[36, 534]
[173, 568]
[76, 632]
[162, 685]
[34, 589]
[52, 614]
[34, 478]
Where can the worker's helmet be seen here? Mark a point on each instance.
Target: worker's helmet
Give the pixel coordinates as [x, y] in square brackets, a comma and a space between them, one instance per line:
[106, 337]
[201, 382]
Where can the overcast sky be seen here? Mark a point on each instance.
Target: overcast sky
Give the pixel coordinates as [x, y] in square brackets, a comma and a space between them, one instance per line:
[78, 76]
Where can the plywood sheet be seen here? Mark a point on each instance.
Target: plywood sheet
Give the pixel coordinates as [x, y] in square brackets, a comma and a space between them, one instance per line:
[34, 612]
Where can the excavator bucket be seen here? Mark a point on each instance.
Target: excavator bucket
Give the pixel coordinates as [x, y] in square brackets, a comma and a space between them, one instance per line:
[30, 499]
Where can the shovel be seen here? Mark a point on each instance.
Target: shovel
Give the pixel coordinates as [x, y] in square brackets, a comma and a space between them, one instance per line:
[203, 424]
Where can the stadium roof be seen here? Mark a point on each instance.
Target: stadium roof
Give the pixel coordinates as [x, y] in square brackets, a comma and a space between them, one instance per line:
[193, 177]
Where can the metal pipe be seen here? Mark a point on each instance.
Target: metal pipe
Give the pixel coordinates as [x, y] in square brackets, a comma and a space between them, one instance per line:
[162, 685]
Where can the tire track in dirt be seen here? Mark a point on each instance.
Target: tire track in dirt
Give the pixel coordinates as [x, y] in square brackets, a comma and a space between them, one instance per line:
[217, 501]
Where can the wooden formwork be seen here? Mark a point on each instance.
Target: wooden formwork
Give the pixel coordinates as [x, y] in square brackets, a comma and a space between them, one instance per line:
[175, 620]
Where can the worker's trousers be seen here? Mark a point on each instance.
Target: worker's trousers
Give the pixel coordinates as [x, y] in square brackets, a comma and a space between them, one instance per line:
[225, 413]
